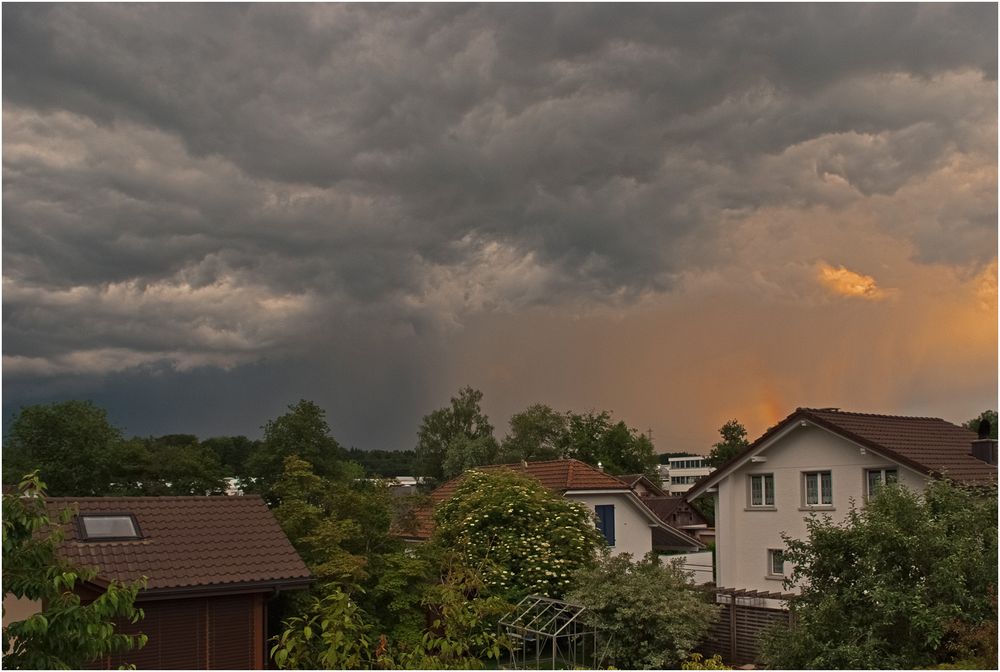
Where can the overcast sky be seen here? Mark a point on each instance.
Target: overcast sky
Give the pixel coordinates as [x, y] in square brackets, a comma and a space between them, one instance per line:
[679, 213]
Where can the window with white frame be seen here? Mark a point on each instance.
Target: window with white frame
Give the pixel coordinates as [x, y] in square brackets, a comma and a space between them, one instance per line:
[775, 562]
[762, 490]
[817, 488]
[874, 478]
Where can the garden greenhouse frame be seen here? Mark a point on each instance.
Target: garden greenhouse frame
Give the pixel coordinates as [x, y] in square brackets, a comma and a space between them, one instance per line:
[556, 628]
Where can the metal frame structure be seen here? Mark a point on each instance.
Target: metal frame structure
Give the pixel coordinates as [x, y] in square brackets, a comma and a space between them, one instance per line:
[555, 628]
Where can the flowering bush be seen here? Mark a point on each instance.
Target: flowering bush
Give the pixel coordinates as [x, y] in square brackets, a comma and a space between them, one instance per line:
[523, 538]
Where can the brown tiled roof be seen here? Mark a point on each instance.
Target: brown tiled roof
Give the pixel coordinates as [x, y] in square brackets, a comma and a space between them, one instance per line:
[187, 543]
[931, 443]
[632, 479]
[928, 445]
[557, 475]
[666, 506]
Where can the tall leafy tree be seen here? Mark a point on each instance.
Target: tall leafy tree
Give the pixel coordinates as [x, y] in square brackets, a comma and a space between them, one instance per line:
[734, 441]
[536, 433]
[595, 438]
[65, 633]
[302, 431]
[232, 452]
[455, 437]
[72, 444]
[908, 581]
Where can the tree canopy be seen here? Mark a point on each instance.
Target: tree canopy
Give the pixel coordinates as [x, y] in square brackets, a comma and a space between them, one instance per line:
[595, 438]
[734, 441]
[456, 437]
[536, 433]
[72, 445]
[65, 634]
[524, 538]
[908, 581]
[649, 611]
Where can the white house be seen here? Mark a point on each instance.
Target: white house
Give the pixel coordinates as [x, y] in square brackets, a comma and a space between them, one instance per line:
[680, 473]
[623, 518]
[819, 460]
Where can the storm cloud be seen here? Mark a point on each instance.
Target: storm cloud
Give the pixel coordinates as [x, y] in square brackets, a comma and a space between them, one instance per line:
[327, 200]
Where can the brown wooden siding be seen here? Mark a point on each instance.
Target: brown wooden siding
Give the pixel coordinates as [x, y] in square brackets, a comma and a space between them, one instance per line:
[219, 633]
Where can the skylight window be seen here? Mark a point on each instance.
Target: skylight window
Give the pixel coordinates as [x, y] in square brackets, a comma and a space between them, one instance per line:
[119, 526]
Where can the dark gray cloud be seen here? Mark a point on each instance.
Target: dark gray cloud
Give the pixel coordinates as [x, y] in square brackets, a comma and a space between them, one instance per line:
[191, 186]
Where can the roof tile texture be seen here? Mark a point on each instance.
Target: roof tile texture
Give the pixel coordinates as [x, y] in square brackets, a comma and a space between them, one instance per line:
[933, 443]
[187, 542]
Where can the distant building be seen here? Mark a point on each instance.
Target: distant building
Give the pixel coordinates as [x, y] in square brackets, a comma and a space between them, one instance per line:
[680, 473]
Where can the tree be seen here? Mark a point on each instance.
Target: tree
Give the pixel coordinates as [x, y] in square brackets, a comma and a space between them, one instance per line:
[593, 438]
[536, 433]
[989, 416]
[900, 583]
[734, 441]
[333, 527]
[178, 464]
[460, 435]
[650, 613]
[232, 452]
[66, 634]
[524, 538]
[302, 431]
[71, 444]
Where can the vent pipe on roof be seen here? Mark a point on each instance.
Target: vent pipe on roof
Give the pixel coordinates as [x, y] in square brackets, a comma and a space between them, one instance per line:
[984, 448]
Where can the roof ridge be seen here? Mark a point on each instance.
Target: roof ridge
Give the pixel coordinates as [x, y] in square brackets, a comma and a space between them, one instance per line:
[838, 411]
[146, 498]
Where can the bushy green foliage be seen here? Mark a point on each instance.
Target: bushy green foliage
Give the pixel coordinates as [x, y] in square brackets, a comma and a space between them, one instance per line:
[71, 444]
[594, 438]
[66, 634]
[696, 661]
[336, 526]
[302, 431]
[335, 633]
[456, 437]
[734, 441]
[895, 584]
[525, 538]
[988, 415]
[536, 433]
[648, 612]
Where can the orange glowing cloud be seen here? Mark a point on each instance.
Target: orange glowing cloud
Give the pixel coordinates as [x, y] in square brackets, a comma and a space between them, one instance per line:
[848, 283]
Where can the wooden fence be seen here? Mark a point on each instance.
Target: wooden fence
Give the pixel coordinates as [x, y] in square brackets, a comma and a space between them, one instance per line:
[745, 614]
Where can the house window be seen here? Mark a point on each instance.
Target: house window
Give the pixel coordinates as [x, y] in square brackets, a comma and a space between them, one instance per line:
[606, 521]
[775, 562]
[117, 526]
[876, 477]
[762, 490]
[818, 486]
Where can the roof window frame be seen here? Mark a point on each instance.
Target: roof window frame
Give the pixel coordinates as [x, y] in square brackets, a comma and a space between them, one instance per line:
[81, 528]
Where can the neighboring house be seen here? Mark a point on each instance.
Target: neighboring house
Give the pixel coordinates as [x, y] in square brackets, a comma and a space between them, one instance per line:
[819, 461]
[641, 485]
[677, 512]
[211, 563]
[626, 522]
[680, 473]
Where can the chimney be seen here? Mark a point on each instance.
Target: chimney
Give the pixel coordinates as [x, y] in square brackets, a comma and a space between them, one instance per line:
[984, 448]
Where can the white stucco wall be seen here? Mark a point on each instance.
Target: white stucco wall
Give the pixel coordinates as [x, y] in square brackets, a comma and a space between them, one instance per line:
[699, 564]
[743, 536]
[632, 532]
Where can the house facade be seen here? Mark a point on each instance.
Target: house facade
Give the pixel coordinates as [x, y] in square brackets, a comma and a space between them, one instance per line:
[628, 525]
[680, 473]
[817, 461]
[211, 564]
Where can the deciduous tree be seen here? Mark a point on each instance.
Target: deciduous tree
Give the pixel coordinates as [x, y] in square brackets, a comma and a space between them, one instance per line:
[649, 612]
[65, 634]
[734, 441]
[455, 437]
[536, 433]
[899, 584]
[524, 538]
[71, 444]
